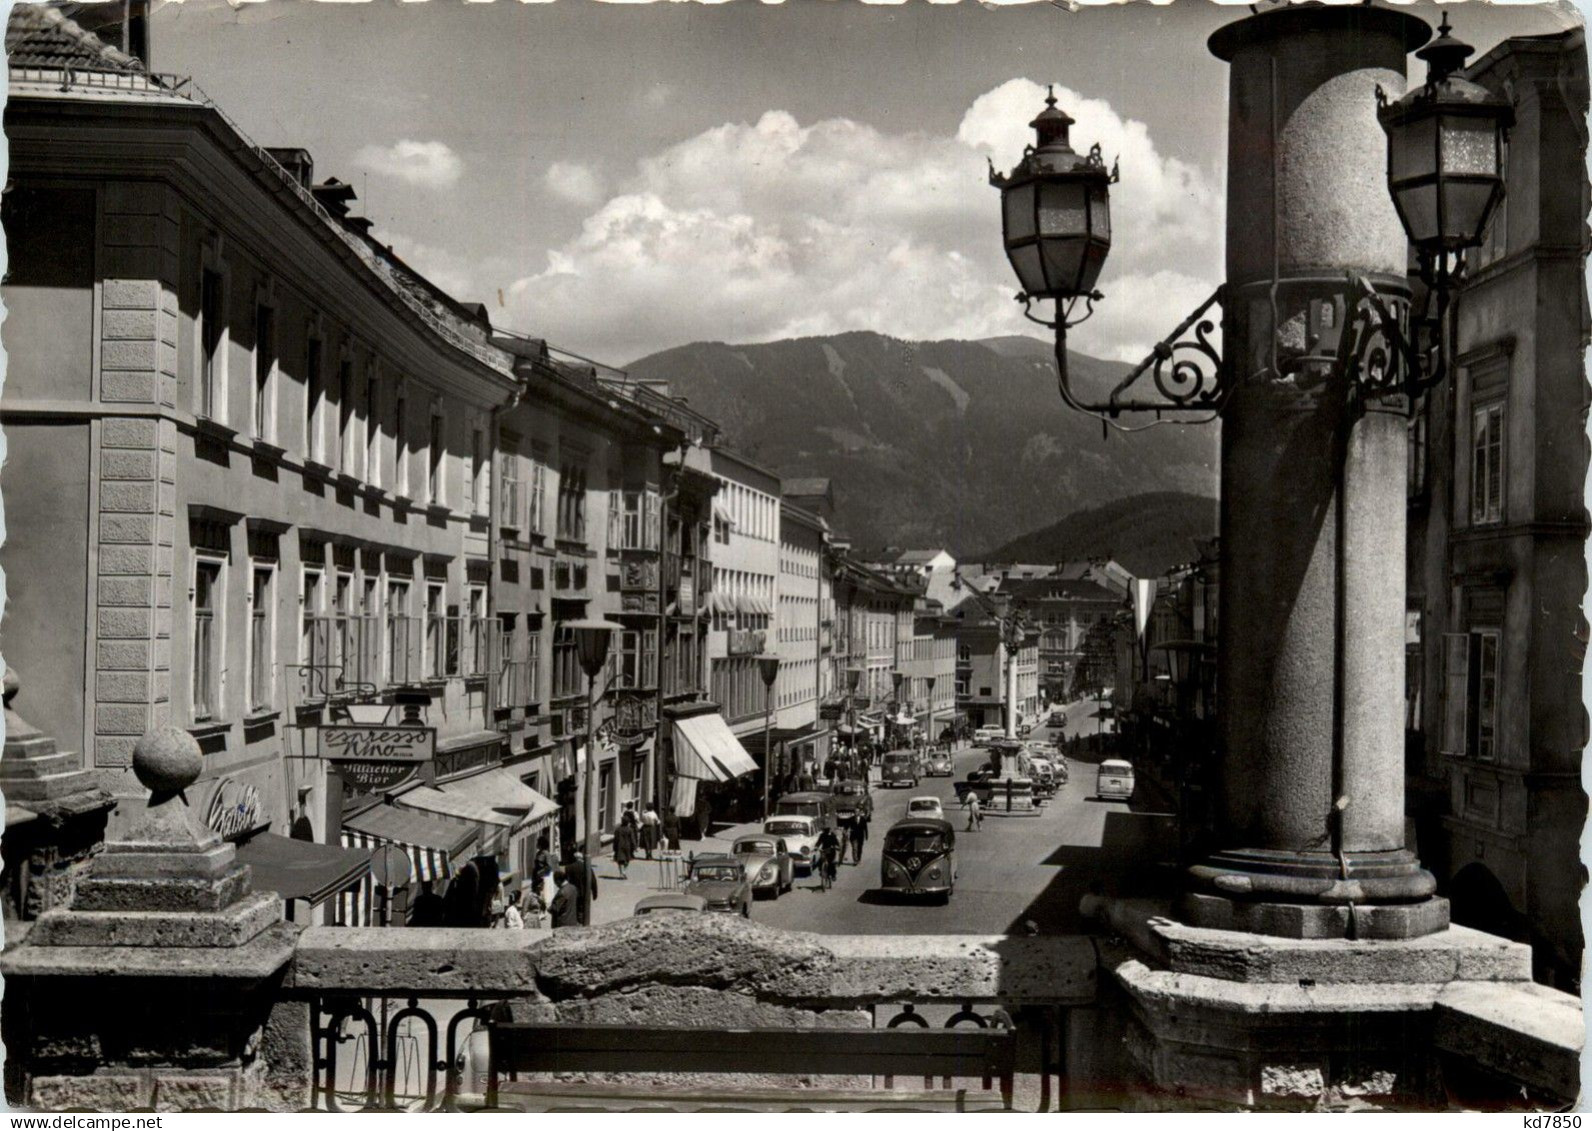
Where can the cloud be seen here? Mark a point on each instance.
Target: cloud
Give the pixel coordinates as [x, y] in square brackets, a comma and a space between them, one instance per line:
[749, 232]
[429, 164]
[573, 182]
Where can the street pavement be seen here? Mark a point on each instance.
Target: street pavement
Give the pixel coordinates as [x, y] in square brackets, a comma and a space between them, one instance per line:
[1019, 874]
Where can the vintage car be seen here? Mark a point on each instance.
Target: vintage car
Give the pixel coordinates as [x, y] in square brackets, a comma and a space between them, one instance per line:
[769, 866]
[1114, 781]
[670, 903]
[939, 764]
[800, 834]
[926, 807]
[720, 879]
[900, 767]
[821, 807]
[1043, 773]
[983, 736]
[919, 857]
[852, 798]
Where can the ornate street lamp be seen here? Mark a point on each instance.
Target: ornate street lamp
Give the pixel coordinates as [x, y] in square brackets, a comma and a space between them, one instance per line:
[592, 638]
[1445, 171]
[768, 668]
[1056, 224]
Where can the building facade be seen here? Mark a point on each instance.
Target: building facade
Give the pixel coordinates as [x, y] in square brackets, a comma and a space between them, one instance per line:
[1497, 528]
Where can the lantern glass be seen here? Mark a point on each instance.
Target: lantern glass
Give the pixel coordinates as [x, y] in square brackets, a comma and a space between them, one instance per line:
[1413, 152]
[1417, 206]
[1064, 260]
[1030, 272]
[1063, 209]
[1467, 206]
[1100, 212]
[1470, 145]
[1019, 204]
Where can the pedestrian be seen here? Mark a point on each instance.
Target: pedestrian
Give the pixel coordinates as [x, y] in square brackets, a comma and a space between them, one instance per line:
[651, 827]
[512, 919]
[671, 828]
[975, 812]
[565, 907]
[581, 873]
[542, 869]
[625, 838]
[857, 834]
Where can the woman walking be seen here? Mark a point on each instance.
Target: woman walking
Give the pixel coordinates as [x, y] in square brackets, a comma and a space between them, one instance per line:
[625, 838]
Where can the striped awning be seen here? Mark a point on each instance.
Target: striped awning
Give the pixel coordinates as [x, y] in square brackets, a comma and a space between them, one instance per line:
[495, 797]
[430, 844]
[707, 750]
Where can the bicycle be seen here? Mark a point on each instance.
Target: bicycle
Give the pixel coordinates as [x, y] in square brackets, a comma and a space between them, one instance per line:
[828, 871]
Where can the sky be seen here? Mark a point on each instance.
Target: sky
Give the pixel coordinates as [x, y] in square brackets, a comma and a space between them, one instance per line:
[623, 178]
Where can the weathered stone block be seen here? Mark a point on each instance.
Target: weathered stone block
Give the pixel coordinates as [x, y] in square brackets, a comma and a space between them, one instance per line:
[1292, 1081]
[97, 893]
[196, 1091]
[125, 463]
[136, 592]
[166, 359]
[129, 387]
[143, 294]
[130, 529]
[124, 624]
[112, 751]
[131, 230]
[133, 324]
[108, 1092]
[127, 498]
[121, 719]
[125, 561]
[122, 687]
[230, 927]
[129, 355]
[287, 1058]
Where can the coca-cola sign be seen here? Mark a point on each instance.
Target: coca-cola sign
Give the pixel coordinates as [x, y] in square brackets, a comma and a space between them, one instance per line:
[234, 809]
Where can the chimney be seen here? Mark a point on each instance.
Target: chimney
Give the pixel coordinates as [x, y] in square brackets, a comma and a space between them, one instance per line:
[297, 162]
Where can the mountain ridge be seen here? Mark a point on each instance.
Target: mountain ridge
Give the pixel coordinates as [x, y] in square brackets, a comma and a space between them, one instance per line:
[964, 444]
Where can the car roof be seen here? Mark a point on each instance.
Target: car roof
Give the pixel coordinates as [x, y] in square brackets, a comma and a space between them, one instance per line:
[745, 837]
[811, 820]
[1117, 764]
[805, 795]
[685, 901]
[716, 858]
[922, 824]
[924, 797]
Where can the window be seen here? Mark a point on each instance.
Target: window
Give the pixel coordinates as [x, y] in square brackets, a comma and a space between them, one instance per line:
[480, 473]
[616, 521]
[436, 630]
[478, 631]
[314, 444]
[345, 416]
[533, 666]
[264, 422]
[434, 461]
[312, 629]
[509, 505]
[372, 430]
[400, 432]
[262, 637]
[345, 644]
[538, 520]
[371, 620]
[209, 399]
[572, 502]
[1487, 463]
[1470, 724]
[207, 637]
[629, 674]
[399, 647]
[566, 663]
[721, 530]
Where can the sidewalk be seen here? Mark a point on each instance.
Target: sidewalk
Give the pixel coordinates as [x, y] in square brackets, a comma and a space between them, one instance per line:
[617, 898]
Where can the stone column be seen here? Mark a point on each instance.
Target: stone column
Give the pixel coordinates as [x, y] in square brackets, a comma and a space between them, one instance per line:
[1310, 831]
[155, 987]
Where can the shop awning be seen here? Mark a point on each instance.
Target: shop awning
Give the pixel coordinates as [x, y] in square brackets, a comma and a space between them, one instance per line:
[707, 751]
[432, 845]
[495, 797]
[297, 869]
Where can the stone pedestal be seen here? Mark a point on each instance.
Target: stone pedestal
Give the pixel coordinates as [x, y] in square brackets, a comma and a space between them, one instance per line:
[1310, 818]
[1229, 1019]
[153, 989]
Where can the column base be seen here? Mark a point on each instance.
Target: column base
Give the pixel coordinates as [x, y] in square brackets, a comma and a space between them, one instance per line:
[1315, 920]
[1315, 895]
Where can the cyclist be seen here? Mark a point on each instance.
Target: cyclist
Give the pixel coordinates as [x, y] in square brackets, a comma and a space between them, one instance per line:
[828, 857]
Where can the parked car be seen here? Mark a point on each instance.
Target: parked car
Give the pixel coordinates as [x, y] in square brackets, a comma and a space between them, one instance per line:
[820, 807]
[1114, 781]
[939, 765]
[768, 865]
[1043, 774]
[720, 879]
[919, 858]
[851, 798]
[926, 807]
[671, 903]
[983, 736]
[900, 767]
[800, 834]
[1058, 718]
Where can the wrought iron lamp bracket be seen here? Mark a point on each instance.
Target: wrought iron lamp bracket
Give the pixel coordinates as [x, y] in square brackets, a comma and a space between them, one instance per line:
[325, 681]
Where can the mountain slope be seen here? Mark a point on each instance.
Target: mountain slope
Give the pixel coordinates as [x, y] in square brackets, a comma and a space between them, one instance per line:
[953, 443]
[1147, 534]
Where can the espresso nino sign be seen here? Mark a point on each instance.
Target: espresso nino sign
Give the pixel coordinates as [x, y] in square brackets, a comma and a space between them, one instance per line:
[354, 741]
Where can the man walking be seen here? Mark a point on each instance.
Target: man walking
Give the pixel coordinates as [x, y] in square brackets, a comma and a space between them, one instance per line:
[565, 908]
[858, 835]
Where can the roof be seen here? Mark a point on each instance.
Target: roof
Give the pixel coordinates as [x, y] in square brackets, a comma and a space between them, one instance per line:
[919, 557]
[1056, 589]
[805, 488]
[40, 36]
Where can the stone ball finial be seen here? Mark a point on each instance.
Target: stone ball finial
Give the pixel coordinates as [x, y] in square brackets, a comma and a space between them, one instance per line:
[167, 760]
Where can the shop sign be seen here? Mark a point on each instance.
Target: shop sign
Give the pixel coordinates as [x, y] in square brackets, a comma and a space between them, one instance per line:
[831, 711]
[235, 808]
[687, 597]
[402, 744]
[369, 776]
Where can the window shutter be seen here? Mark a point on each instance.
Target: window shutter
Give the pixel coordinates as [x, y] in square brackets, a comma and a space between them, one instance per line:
[1456, 685]
[616, 519]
